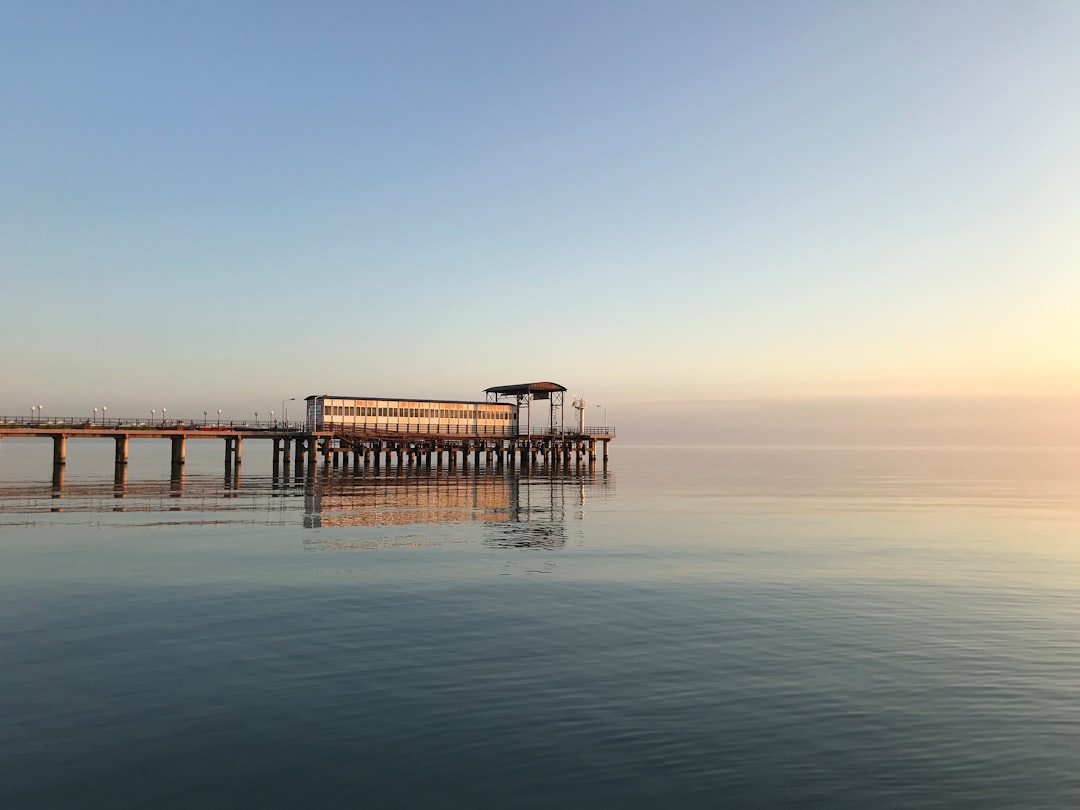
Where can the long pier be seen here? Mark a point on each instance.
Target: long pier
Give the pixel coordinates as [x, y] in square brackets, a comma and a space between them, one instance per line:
[337, 447]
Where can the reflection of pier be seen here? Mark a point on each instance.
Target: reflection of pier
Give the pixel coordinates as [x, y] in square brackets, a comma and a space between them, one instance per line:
[418, 496]
[533, 496]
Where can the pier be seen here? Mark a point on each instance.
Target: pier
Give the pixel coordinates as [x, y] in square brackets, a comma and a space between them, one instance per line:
[293, 443]
[376, 432]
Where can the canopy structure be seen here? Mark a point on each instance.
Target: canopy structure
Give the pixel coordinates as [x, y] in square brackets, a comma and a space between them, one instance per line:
[523, 393]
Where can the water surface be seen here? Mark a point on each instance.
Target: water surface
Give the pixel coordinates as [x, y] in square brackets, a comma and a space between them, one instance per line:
[686, 627]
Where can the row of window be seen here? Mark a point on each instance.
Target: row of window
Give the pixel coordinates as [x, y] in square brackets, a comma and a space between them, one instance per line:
[413, 413]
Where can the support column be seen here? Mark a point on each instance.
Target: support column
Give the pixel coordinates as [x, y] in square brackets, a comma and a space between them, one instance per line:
[237, 451]
[121, 449]
[176, 479]
[120, 479]
[59, 450]
[287, 450]
[59, 473]
[178, 448]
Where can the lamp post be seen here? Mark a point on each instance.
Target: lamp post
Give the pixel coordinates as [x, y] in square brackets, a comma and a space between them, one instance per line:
[163, 419]
[40, 408]
[204, 418]
[256, 418]
[153, 413]
[95, 416]
[285, 410]
[271, 417]
[219, 417]
[103, 409]
[605, 416]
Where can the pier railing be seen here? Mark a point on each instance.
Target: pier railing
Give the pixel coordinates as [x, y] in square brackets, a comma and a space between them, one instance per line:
[281, 426]
[122, 423]
[395, 428]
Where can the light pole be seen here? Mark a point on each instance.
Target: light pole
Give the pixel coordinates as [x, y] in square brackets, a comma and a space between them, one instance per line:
[163, 419]
[256, 418]
[219, 417]
[153, 413]
[271, 417]
[204, 418]
[40, 408]
[103, 409]
[285, 410]
[605, 416]
[95, 416]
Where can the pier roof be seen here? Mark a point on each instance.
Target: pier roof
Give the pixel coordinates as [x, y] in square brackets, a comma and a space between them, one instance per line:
[525, 388]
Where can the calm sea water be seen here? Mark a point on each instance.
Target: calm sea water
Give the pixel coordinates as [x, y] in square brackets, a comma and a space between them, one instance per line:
[687, 628]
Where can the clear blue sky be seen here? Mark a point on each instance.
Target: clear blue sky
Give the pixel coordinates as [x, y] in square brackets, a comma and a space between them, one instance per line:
[224, 204]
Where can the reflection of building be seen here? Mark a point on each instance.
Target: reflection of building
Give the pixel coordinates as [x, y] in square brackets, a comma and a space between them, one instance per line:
[389, 500]
[444, 497]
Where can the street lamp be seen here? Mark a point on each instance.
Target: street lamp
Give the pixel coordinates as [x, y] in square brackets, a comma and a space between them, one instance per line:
[163, 419]
[605, 415]
[95, 416]
[204, 418]
[285, 410]
[256, 418]
[271, 417]
[219, 417]
[40, 408]
[103, 409]
[153, 413]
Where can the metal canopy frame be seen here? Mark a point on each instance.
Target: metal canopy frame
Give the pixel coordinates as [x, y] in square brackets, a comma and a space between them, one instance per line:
[525, 393]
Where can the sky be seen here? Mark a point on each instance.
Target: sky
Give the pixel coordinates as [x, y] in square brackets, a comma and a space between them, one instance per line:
[812, 207]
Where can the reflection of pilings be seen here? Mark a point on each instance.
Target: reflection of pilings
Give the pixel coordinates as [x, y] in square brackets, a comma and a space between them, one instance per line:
[230, 481]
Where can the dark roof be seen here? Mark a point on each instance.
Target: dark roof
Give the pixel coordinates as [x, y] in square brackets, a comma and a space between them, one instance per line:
[398, 399]
[525, 388]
